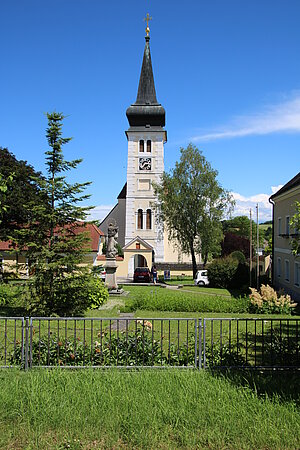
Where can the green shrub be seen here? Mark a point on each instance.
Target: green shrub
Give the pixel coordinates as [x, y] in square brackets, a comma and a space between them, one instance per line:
[9, 294]
[239, 256]
[97, 292]
[72, 296]
[228, 273]
[221, 272]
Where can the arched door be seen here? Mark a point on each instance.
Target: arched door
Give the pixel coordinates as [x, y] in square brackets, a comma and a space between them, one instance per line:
[135, 261]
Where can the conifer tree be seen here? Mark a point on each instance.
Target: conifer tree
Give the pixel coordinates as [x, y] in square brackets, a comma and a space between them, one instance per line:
[54, 246]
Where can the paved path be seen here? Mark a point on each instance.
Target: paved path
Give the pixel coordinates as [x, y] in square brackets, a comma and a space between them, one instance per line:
[122, 321]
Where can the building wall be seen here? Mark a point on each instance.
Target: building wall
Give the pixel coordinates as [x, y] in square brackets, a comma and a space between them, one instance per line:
[140, 194]
[285, 264]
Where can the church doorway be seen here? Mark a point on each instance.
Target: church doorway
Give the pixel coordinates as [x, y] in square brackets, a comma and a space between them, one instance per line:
[134, 262]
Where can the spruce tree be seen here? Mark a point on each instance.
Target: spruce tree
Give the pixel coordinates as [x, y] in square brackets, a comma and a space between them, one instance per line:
[54, 240]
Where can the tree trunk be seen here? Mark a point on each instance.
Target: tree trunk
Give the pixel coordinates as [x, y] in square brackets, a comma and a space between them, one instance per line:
[205, 259]
[193, 261]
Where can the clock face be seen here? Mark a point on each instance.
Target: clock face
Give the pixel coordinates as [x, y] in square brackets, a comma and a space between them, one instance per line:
[145, 163]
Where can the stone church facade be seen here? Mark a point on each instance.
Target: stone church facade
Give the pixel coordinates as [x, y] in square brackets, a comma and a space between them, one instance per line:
[143, 239]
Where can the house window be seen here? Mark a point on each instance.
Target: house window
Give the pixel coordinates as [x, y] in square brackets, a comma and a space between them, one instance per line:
[287, 225]
[297, 274]
[279, 226]
[141, 145]
[278, 267]
[148, 219]
[138, 246]
[140, 219]
[149, 146]
[287, 270]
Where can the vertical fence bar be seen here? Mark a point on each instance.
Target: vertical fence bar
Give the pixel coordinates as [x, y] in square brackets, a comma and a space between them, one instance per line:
[22, 342]
[30, 345]
[196, 343]
[5, 341]
[161, 341]
[246, 341]
[200, 343]
[254, 342]
[262, 343]
[204, 343]
[26, 342]
[169, 350]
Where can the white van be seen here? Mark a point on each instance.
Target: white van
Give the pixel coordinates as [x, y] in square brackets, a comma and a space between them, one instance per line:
[201, 278]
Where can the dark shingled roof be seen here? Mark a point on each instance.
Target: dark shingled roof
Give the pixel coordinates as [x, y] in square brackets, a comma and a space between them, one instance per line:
[123, 192]
[294, 182]
[146, 111]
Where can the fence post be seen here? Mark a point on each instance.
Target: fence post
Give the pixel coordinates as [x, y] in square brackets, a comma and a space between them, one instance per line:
[26, 342]
[200, 344]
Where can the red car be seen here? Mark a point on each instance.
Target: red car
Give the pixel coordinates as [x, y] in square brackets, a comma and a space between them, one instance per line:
[142, 274]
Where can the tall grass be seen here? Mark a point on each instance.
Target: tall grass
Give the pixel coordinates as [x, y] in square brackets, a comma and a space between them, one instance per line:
[148, 409]
[157, 299]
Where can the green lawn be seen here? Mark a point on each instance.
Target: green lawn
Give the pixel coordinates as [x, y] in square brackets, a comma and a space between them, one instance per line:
[148, 410]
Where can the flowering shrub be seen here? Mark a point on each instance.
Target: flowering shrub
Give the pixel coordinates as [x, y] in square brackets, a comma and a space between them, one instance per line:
[126, 348]
[268, 301]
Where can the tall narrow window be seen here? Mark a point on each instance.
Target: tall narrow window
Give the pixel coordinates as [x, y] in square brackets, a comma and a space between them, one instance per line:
[297, 274]
[279, 226]
[287, 270]
[141, 145]
[149, 146]
[140, 219]
[148, 219]
[279, 267]
[287, 225]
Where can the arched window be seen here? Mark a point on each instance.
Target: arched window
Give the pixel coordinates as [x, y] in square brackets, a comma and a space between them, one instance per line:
[148, 219]
[140, 219]
[149, 146]
[141, 145]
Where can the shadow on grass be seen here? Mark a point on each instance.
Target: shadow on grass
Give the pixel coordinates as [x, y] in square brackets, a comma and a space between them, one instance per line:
[278, 384]
[13, 311]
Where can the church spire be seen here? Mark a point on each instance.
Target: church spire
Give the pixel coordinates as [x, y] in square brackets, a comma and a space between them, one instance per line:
[146, 111]
[146, 92]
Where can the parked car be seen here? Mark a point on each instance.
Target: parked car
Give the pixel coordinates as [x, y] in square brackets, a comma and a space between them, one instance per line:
[142, 274]
[201, 278]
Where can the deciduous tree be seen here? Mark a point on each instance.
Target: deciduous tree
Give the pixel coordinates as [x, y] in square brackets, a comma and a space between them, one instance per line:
[23, 189]
[191, 203]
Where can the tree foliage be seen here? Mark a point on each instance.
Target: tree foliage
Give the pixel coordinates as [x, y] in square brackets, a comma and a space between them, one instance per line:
[191, 203]
[24, 188]
[53, 237]
[4, 186]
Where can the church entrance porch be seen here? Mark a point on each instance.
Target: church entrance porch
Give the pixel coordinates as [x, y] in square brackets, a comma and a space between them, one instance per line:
[135, 261]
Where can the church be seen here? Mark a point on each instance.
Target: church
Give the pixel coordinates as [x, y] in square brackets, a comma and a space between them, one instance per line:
[144, 241]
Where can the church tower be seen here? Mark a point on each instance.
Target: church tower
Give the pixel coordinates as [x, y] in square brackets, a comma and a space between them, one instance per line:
[146, 138]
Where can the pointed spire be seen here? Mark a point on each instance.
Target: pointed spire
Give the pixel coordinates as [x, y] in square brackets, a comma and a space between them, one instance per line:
[146, 111]
[146, 92]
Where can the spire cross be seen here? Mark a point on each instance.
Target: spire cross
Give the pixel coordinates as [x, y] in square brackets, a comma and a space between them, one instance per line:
[146, 19]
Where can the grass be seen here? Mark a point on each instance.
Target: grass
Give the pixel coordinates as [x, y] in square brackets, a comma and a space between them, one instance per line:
[207, 290]
[158, 299]
[147, 410]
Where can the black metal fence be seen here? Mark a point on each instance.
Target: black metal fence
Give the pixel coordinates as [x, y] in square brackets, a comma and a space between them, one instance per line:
[155, 342]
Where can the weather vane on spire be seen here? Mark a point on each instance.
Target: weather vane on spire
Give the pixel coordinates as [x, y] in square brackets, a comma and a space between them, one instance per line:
[146, 19]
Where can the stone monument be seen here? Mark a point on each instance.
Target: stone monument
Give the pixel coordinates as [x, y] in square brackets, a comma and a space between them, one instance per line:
[111, 253]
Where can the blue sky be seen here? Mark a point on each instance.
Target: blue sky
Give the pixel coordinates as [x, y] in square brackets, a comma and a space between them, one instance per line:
[227, 73]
